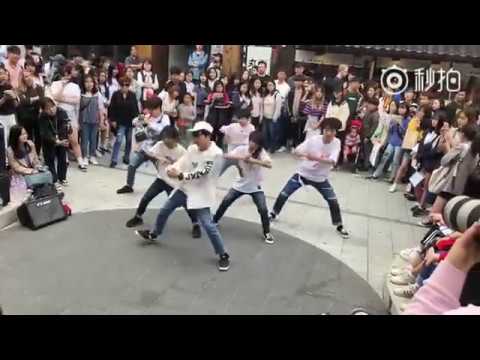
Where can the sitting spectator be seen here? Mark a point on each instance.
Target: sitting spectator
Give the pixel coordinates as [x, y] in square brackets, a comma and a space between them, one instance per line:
[441, 295]
[352, 141]
[23, 159]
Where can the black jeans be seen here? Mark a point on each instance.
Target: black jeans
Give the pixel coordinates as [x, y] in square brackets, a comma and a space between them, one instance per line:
[58, 153]
[157, 187]
[324, 188]
[257, 197]
[217, 118]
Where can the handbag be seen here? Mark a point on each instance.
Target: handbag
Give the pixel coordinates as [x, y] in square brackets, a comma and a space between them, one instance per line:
[444, 175]
[40, 178]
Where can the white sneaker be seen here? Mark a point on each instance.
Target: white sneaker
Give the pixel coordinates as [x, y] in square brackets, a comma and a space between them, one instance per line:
[403, 307]
[282, 149]
[399, 271]
[406, 254]
[393, 188]
[93, 160]
[406, 292]
[405, 278]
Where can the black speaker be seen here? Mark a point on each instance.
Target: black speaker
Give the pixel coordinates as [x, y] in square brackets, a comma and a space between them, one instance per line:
[37, 213]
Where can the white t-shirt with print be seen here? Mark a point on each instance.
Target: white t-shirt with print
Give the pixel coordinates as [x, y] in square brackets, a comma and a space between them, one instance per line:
[200, 189]
[314, 170]
[173, 155]
[252, 177]
[236, 134]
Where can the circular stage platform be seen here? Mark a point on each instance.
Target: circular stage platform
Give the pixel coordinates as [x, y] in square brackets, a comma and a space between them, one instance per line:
[93, 264]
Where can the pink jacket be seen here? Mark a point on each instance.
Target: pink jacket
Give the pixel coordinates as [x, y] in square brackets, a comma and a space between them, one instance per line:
[441, 293]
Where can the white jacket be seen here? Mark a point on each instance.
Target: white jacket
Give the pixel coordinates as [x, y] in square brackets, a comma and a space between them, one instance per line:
[340, 112]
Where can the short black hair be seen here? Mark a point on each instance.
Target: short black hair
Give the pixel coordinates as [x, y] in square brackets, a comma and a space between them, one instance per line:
[153, 103]
[13, 49]
[175, 70]
[170, 132]
[46, 102]
[262, 62]
[373, 101]
[332, 124]
[469, 131]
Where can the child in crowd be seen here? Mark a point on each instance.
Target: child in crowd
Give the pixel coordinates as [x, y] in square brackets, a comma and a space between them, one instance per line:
[186, 116]
[252, 159]
[352, 141]
[236, 134]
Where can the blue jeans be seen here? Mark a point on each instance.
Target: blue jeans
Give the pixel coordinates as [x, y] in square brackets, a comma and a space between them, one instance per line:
[136, 160]
[258, 199]
[89, 140]
[179, 199]
[269, 130]
[391, 153]
[425, 274]
[122, 132]
[324, 188]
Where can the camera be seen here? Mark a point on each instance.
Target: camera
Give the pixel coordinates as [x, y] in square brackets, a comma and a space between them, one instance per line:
[461, 212]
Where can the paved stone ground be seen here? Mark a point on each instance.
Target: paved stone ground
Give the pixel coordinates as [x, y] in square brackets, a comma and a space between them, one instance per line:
[379, 222]
[87, 266]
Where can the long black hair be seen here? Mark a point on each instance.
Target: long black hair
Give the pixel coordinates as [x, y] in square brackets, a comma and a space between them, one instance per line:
[257, 138]
[14, 142]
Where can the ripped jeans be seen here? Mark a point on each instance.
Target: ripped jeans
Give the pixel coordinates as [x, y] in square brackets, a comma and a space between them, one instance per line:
[324, 188]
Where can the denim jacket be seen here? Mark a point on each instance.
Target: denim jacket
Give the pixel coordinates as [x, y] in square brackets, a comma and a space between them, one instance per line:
[197, 63]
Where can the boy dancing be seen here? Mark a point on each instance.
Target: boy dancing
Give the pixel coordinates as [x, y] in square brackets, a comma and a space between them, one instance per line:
[319, 154]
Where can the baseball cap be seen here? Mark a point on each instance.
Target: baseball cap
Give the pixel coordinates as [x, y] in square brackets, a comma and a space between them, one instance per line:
[202, 125]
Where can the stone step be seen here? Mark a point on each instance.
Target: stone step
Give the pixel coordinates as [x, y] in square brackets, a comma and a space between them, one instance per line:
[8, 214]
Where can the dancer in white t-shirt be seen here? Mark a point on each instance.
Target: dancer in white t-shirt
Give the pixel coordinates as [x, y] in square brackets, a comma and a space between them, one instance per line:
[196, 190]
[319, 154]
[252, 159]
[236, 134]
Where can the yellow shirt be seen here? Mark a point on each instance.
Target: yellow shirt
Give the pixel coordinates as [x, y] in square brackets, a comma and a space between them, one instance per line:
[412, 134]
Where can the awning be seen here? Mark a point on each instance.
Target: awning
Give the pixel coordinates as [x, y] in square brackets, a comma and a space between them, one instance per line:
[440, 52]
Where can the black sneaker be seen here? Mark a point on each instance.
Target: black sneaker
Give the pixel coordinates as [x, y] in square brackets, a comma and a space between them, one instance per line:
[420, 212]
[224, 262]
[135, 221]
[82, 168]
[414, 208]
[146, 235]
[196, 231]
[269, 239]
[342, 232]
[273, 216]
[125, 190]
[113, 165]
[125, 161]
